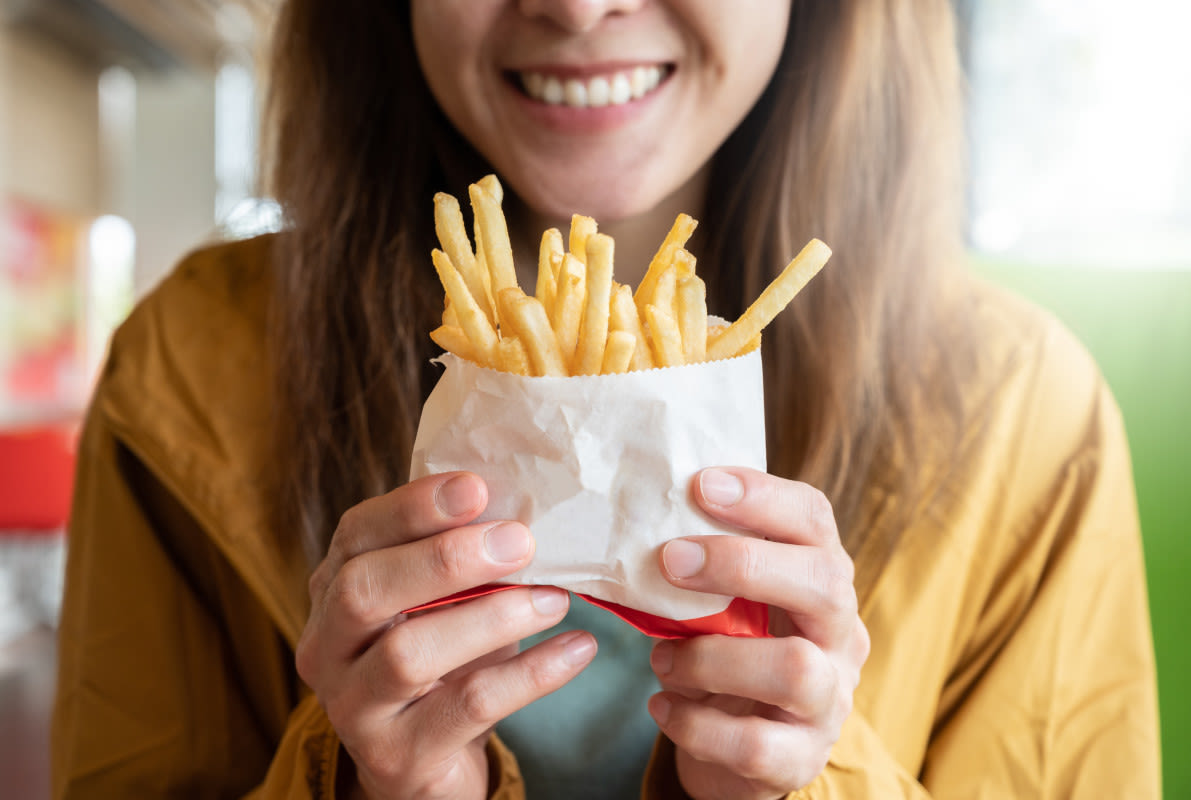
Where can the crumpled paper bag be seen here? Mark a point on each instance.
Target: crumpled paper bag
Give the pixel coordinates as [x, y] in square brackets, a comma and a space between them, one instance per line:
[598, 467]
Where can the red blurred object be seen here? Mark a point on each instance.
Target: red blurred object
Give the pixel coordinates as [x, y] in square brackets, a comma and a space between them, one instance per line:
[36, 478]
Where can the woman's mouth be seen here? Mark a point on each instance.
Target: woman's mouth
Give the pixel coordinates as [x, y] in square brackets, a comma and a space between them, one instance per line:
[612, 88]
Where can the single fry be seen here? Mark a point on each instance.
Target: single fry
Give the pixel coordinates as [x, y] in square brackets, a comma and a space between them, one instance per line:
[666, 339]
[550, 252]
[492, 235]
[581, 228]
[568, 307]
[691, 307]
[665, 290]
[624, 318]
[775, 297]
[684, 263]
[452, 339]
[618, 355]
[593, 329]
[471, 318]
[680, 232]
[491, 184]
[512, 357]
[527, 317]
[449, 317]
[452, 237]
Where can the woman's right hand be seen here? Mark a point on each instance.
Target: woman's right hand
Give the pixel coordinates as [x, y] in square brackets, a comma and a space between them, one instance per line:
[414, 697]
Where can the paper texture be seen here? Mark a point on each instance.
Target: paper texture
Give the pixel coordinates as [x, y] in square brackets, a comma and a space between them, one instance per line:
[598, 467]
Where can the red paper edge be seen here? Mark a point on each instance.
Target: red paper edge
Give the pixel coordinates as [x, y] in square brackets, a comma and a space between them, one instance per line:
[743, 618]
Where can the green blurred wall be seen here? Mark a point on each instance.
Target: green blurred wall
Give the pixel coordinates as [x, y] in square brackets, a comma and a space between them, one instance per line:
[1137, 324]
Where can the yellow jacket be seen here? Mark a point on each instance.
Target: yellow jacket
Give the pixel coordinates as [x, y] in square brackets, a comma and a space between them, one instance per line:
[1011, 651]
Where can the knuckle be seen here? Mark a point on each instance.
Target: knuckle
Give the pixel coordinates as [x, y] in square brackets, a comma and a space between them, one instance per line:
[354, 591]
[756, 754]
[746, 567]
[795, 670]
[447, 558]
[833, 585]
[475, 702]
[306, 658]
[317, 583]
[407, 658]
[819, 512]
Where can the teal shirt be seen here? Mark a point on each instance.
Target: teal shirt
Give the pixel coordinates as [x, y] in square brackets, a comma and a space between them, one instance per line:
[593, 737]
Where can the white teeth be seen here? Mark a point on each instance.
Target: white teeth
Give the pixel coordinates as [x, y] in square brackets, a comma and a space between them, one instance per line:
[576, 93]
[598, 92]
[601, 90]
[552, 91]
[622, 90]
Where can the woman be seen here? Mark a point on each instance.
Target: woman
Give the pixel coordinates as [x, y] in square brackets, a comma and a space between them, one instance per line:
[947, 465]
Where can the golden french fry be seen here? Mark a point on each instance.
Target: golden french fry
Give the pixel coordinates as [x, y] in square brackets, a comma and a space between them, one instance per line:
[512, 357]
[581, 228]
[624, 317]
[452, 236]
[775, 297]
[618, 355]
[593, 330]
[568, 306]
[452, 339]
[449, 317]
[691, 307]
[684, 263]
[527, 317]
[550, 250]
[680, 232]
[491, 184]
[471, 318]
[665, 289]
[666, 339]
[492, 239]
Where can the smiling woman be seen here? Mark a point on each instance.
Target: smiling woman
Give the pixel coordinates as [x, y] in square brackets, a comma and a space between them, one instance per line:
[260, 600]
[518, 81]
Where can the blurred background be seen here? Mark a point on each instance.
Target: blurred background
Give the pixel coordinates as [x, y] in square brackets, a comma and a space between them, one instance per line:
[128, 136]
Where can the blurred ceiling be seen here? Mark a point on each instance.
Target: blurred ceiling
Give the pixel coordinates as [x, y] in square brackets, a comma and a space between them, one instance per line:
[146, 34]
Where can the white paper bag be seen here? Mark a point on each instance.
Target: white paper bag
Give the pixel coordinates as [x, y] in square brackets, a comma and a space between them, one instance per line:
[598, 467]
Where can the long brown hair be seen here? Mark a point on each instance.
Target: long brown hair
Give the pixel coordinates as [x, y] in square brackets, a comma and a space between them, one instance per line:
[857, 140]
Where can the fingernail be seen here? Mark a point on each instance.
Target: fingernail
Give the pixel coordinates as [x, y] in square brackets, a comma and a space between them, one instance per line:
[548, 601]
[662, 658]
[456, 497]
[660, 708]
[579, 649]
[507, 542]
[720, 488]
[683, 558]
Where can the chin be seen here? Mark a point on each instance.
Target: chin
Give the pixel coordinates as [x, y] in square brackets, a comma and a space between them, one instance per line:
[604, 200]
[607, 189]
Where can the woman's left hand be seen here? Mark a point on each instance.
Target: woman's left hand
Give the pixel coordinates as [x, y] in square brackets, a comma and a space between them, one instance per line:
[756, 718]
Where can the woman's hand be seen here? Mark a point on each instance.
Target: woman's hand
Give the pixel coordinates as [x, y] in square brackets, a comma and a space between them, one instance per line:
[756, 718]
[414, 697]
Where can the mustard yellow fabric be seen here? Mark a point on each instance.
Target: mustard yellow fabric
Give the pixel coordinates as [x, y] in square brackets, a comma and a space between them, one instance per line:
[1011, 649]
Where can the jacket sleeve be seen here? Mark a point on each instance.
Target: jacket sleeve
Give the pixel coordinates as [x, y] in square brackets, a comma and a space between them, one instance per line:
[1067, 705]
[151, 701]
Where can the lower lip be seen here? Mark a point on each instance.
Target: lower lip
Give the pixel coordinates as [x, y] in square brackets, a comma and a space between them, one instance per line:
[566, 119]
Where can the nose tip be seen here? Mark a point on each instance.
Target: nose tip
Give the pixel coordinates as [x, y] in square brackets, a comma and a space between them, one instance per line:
[578, 16]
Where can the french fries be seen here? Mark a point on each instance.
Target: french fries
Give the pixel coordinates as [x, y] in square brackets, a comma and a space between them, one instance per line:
[579, 321]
